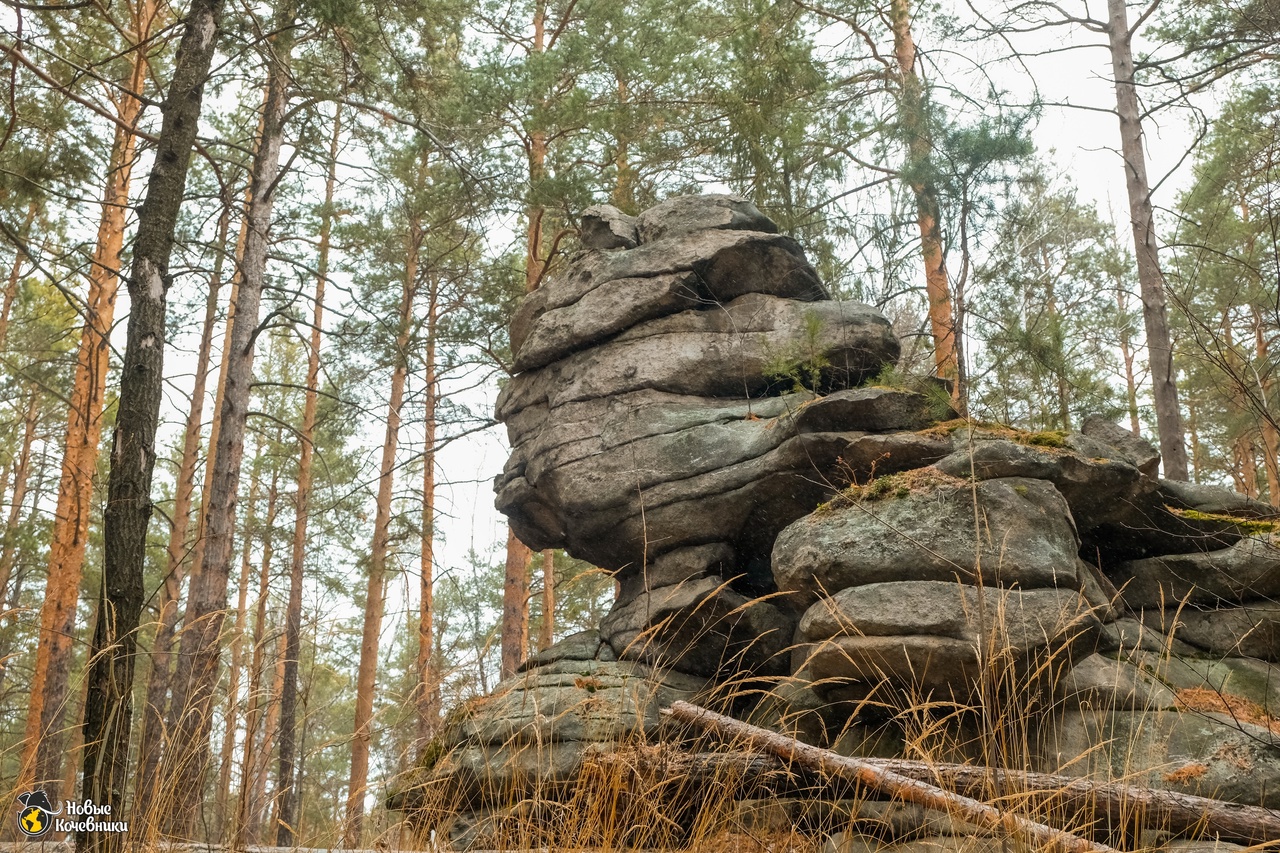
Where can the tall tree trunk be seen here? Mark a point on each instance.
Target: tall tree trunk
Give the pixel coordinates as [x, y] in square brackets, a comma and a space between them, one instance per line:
[1195, 440]
[108, 716]
[187, 758]
[548, 633]
[915, 124]
[285, 790]
[515, 588]
[175, 568]
[366, 677]
[1126, 354]
[262, 806]
[222, 795]
[15, 274]
[10, 599]
[623, 196]
[428, 689]
[43, 749]
[21, 473]
[1155, 315]
[249, 758]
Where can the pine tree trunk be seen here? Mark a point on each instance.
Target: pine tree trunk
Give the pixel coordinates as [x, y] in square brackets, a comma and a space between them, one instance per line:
[9, 600]
[1155, 316]
[288, 798]
[366, 677]
[231, 716]
[21, 473]
[43, 749]
[187, 758]
[108, 717]
[1267, 425]
[175, 569]
[249, 758]
[428, 690]
[915, 124]
[515, 588]
[1195, 441]
[15, 275]
[547, 635]
[1126, 354]
[262, 806]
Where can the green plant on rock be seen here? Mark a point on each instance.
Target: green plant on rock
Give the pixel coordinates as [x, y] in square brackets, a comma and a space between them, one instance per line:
[801, 362]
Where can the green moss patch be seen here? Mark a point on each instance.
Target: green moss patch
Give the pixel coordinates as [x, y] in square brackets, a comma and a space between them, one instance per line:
[893, 487]
[1248, 526]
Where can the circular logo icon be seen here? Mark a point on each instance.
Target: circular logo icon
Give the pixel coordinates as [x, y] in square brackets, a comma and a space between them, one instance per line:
[35, 818]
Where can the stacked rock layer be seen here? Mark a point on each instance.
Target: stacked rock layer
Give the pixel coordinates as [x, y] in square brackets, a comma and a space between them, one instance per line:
[693, 412]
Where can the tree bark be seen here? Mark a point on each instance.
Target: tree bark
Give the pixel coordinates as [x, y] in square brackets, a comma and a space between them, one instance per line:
[108, 717]
[515, 588]
[43, 749]
[366, 677]
[15, 275]
[21, 473]
[10, 599]
[515, 605]
[915, 125]
[186, 760]
[879, 778]
[175, 569]
[286, 792]
[547, 635]
[222, 795]
[428, 690]
[1155, 315]
[250, 759]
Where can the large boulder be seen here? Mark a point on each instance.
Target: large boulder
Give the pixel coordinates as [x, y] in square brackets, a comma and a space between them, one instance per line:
[926, 527]
[536, 731]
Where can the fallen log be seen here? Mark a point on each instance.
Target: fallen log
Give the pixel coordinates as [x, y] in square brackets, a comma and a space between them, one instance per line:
[882, 779]
[1123, 804]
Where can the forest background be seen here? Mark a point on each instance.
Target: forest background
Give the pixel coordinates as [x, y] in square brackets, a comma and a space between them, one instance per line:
[371, 189]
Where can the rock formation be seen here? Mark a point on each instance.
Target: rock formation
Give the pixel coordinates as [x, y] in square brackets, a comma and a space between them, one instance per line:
[804, 537]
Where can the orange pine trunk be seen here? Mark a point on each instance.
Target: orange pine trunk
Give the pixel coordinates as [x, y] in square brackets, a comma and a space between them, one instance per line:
[366, 677]
[286, 792]
[428, 689]
[43, 749]
[919, 151]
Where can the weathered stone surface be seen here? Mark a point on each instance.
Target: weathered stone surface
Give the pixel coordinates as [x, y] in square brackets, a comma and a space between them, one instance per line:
[871, 409]
[606, 227]
[926, 664]
[1098, 682]
[700, 626]
[721, 353]
[1026, 537]
[927, 633]
[1247, 570]
[535, 730]
[754, 259]
[1206, 754]
[611, 308]
[1214, 500]
[1251, 629]
[1020, 618]
[1117, 509]
[691, 213]
[1253, 680]
[584, 645]
[674, 567]
[1130, 448]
